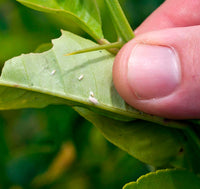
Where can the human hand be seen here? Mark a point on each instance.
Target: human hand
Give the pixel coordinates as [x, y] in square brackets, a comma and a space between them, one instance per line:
[158, 72]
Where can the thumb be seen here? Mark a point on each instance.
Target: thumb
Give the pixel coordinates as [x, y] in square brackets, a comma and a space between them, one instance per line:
[159, 72]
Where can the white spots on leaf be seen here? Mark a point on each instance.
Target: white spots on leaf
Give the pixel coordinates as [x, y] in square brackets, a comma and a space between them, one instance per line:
[92, 99]
[91, 94]
[53, 72]
[80, 77]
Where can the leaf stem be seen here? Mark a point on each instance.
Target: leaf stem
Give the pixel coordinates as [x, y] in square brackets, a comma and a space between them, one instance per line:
[112, 47]
[120, 22]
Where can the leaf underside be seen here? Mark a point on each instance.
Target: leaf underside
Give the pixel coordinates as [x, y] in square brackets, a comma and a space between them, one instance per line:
[28, 80]
[36, 80]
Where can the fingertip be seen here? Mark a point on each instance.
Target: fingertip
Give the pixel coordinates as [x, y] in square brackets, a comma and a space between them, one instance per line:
[156, 75]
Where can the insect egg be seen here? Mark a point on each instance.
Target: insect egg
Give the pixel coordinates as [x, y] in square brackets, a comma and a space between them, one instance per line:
[93, 100]
[91, 94]
[53, 72]
[81, 77]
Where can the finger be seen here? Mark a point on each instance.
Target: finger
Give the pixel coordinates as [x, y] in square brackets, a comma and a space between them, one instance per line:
[159, 72]
[172, 13]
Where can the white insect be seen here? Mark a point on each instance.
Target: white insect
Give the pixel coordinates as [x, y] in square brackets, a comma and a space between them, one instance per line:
[53, 72]
[91, 94]
[81, 77]
[93, 100]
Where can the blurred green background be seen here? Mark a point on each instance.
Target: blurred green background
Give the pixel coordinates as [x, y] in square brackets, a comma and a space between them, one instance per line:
[54, 147]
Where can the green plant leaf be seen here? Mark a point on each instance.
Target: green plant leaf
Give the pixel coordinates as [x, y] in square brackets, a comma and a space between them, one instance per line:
[166, 179]
[40, 79]
[124, 31]
[84, 13]
[148, 142]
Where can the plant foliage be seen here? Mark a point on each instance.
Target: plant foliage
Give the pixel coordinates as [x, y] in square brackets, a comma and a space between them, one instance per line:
[84, 82]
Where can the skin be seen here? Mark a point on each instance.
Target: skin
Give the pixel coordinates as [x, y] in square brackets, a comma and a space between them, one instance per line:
[175, 24]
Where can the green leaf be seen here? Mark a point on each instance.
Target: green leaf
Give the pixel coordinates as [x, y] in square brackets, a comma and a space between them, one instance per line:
[148, 142]
[37, 80]
[166, 179]
[119, 20]
[84, 13]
